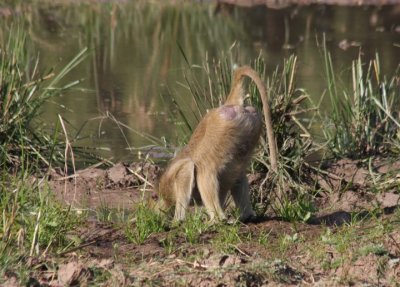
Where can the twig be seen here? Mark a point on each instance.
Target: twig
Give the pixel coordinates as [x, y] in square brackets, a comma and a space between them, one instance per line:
[307, 134]
[295, 113]
[35, 233]
[240, 251]
[332, 175]
[67, 177]
[299, 99]
[68, 146]
[77, 247]
[395, 243]
[194, 264]
[140, 177]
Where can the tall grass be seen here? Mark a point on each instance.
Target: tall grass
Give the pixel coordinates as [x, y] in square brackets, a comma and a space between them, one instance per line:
[23, 91]
[365, 118]
[32, 223]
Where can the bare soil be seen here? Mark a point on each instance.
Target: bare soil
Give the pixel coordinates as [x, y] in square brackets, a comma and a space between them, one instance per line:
[331, 249]
[277, 4]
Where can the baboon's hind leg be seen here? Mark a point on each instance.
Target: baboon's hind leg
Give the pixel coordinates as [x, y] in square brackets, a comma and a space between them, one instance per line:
[208, 185]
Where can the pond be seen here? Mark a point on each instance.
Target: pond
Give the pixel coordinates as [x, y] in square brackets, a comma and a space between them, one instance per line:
[140, 52]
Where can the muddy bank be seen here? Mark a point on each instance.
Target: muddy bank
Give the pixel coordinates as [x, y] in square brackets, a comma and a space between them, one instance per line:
[289, 256]
[285, 3]
[345, 185]
[120, 186]
[353, 239]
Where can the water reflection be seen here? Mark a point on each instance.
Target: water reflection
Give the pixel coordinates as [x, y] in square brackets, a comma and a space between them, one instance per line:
[140, 51]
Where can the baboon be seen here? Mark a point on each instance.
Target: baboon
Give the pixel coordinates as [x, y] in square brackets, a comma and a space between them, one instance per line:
[214, 161]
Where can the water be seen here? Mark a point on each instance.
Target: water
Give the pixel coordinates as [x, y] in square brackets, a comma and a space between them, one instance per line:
[139, 54]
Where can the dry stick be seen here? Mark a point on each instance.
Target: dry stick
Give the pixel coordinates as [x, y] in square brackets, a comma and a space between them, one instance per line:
[299, 99]
[100, 163]
[295, 113]
[240, 250]
[68, 146]
[292, 74]
[395, 243]
[139, 176]
[77, 247]
[306, 133]
[67, 177]
[165, 269]
[35, 233]
[96, 238]
[331, 175]
[39, 80]
[194, 264]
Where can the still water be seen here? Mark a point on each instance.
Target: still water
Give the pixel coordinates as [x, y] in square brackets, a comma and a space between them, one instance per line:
[139, 53]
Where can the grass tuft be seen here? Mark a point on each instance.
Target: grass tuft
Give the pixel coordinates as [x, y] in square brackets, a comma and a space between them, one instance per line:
[32, 222]
[364, 120]
[31, 219]
[23, 92]
[146, 222]
[193, 226]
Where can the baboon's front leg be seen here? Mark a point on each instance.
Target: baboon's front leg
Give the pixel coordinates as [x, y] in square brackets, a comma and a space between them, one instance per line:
[183, 188]
[241, 197]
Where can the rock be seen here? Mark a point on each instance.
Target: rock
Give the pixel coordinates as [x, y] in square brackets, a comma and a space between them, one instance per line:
[72, 273]
[388, 199]
[117, 173]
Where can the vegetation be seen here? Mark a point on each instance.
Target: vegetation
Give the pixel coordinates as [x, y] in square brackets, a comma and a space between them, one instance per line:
[32, 223]
[364, 119]
[363, 125]
[147, 222]
[23, 92]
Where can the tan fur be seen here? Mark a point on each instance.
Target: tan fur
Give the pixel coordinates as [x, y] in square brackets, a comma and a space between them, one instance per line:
[217, 155]
[236, 97]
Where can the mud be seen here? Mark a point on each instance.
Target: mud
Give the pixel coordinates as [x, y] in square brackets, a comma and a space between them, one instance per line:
[106, 249]
[291, 254]
[117, 187]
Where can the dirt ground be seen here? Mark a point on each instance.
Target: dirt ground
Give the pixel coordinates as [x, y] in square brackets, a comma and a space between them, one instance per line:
[331, 249]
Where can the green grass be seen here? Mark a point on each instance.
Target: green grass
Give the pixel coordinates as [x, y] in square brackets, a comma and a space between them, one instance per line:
[32, 223]
[340, 246]
[193, 226]
[364, 120]
[104, 213]
[24, 89]
[22, 143]
[146, 222]
[228, 237]
[299, 208]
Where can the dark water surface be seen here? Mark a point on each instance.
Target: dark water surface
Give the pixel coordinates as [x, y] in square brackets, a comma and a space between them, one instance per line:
[136, 55]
